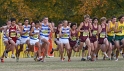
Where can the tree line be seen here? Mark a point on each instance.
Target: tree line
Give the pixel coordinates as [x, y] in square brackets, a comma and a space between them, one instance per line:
[57, 10]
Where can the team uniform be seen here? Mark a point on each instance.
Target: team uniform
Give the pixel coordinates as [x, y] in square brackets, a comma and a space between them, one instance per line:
[12, 33]
[94, 31]
[35, 38]
[111, 35]
[120, 35]
[66, 33]
[25, 37]
[73, 39]
[5, 38]
[45, 31]
[102, 36]
[84, 35]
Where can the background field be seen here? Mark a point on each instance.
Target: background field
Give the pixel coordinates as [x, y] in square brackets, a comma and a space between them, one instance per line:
[54, 64]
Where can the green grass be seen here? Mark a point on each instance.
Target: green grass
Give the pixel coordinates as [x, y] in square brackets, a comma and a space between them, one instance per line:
[54, 64]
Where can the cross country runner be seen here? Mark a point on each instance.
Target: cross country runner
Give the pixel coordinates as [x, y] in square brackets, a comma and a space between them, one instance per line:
[102, 39]
[45, 30]
[24, 35]
[64, 34]
[111, 34]
[12, 36]
[84, 29]
[119, 35]
[18, 41]
[5, 40]
[93, 38]
[56, 40]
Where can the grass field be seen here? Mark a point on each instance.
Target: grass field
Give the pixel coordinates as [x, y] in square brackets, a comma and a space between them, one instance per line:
[54, 64]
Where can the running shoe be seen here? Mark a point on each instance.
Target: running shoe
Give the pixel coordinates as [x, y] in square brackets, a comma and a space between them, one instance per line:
[52, 51]
[12, 56]
[6, 53]
[83, 59]
[2, 60]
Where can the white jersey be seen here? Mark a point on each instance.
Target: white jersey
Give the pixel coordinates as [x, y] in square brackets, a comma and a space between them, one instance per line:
[66, 32]
[26, 28]
[45, 30]
[36, 35]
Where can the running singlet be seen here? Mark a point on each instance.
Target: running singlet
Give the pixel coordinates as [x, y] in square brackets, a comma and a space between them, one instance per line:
[36, 30]
[45, 30]
[120, 27]
[65, 32]
[12, 33]
[103, 33]
[112, 32]
[85, 28]
[26, 28]
[74, 36]
[94, 32]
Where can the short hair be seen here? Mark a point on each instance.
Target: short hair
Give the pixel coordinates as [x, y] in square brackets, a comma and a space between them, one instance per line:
[108, 20]
[94, 19]
[45, 17]
[26, 19]
[120, 17]
[113, 17]
[64, 21]
[60, 22]
[72, 24]
[86, 16]
[103, 19]
[13, 19]
[36, 22]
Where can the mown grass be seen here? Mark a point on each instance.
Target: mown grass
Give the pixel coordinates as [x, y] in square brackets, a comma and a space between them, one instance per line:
[54, 64]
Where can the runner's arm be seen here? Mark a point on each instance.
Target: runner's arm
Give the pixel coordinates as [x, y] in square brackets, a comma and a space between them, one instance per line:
[31, 32]
[60, 32]
[51, 28]
[22, 33]
[79, 28]
[99, 29]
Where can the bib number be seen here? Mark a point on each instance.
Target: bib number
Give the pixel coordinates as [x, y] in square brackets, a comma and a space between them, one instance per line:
[26, 34]
[45, 32]
[85, 33]
[102, 35]
[13, 34]
[65, 35]
[35, 36]
[94, 32]
[73, 38]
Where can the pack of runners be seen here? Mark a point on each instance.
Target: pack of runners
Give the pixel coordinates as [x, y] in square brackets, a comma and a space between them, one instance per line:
[91, 35]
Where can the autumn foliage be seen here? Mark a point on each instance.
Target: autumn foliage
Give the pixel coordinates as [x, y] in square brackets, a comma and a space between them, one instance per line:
[56, 10]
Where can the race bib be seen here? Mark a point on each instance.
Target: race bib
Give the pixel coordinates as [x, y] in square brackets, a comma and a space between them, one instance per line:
[73, 38]
[94, 32]
[102, 35]
[65, 35]
[13, 34]
[18, 35]
[35, 36]
[57, 35]
[112, 32]
[26, 34]
[85, 33]
[45, 32]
